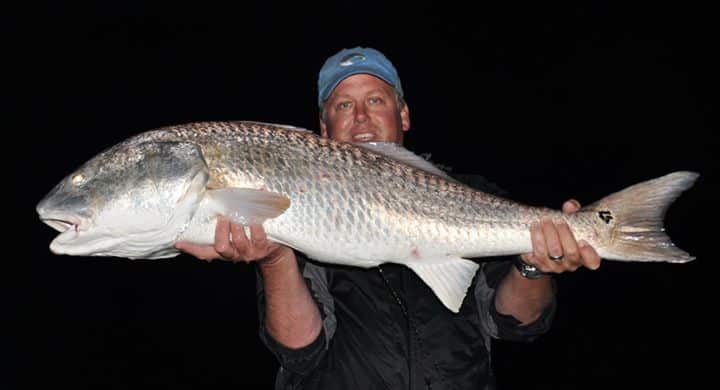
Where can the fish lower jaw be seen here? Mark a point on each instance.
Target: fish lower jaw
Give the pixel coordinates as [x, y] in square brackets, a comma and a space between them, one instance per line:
[73, 244]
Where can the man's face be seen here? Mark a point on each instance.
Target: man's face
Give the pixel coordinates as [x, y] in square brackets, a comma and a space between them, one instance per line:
[363, 108]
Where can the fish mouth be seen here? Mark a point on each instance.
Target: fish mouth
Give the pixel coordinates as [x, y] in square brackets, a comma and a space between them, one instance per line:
[61, 223]
[71, 240]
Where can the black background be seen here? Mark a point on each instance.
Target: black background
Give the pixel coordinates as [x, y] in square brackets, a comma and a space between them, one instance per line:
[548, 101]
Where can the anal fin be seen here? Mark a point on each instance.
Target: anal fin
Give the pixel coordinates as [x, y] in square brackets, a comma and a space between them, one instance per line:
[448, 277]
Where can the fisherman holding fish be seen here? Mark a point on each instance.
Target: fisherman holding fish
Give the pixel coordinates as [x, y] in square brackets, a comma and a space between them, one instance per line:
[383, 291]
[339, 327]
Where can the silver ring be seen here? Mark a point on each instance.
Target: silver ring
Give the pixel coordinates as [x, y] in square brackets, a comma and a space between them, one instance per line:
[555, 258]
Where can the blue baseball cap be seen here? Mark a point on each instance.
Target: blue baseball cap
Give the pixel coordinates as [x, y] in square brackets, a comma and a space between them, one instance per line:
[348, 62]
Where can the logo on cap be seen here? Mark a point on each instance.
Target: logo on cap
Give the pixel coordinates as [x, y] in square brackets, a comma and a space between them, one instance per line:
[352, 59]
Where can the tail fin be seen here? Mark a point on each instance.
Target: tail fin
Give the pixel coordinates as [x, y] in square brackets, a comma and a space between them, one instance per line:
[638, 212]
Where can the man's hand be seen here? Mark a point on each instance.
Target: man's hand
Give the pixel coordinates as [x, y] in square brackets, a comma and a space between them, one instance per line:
[232, 244]
[292, 317]
[555, 240]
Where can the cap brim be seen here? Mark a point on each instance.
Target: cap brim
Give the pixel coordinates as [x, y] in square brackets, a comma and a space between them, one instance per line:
[339, 77]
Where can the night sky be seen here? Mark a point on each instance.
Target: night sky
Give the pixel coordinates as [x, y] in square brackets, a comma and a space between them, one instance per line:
[547, 101]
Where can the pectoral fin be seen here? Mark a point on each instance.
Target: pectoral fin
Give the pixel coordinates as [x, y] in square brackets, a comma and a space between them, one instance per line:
[247, 206]
[449, 278]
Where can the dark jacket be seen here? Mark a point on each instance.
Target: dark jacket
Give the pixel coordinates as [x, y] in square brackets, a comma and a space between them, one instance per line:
[383, 328]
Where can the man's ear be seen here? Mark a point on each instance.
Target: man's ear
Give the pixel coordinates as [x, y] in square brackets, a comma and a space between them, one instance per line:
[405, 117]
[323, 128]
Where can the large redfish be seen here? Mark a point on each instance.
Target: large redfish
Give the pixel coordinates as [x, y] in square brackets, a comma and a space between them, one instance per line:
[359, 205]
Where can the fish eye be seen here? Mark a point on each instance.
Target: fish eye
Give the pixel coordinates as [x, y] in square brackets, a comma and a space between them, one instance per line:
[78, 179]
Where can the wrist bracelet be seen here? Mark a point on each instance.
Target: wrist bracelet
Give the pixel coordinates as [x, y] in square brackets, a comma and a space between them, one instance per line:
[526, 270]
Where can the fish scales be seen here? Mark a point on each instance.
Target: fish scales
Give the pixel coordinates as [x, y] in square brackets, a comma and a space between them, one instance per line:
[398, 203]
[351, 204]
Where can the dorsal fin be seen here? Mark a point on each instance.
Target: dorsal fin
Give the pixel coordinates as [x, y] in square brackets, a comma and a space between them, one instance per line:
[399, 153]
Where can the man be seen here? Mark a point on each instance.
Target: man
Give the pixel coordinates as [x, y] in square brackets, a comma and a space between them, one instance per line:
[334, 327]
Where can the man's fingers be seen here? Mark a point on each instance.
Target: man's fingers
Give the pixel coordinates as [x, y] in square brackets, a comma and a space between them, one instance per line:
[590, 258]
[222, 239]
[571, 253]
[552, 239]
[570, 206]
[528, 258]
[258, 236]
[232, 243]
[539, 256]
[202, 252]
[538, 241]
[239, 239]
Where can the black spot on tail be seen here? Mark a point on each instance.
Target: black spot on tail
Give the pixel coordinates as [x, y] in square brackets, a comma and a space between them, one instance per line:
[606, 216]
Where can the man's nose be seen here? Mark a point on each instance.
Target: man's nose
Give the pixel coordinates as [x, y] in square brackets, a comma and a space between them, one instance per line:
[360, 113]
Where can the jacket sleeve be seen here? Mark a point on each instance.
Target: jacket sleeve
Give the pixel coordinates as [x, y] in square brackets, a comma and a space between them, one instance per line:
[491, 273]
[502, 326]
[302, 360]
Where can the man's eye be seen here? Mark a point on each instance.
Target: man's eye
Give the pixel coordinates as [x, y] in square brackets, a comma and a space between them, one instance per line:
[375, 100]
[343, 105]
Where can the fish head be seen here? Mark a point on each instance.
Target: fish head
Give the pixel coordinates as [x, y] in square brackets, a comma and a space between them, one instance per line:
[132, 200]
